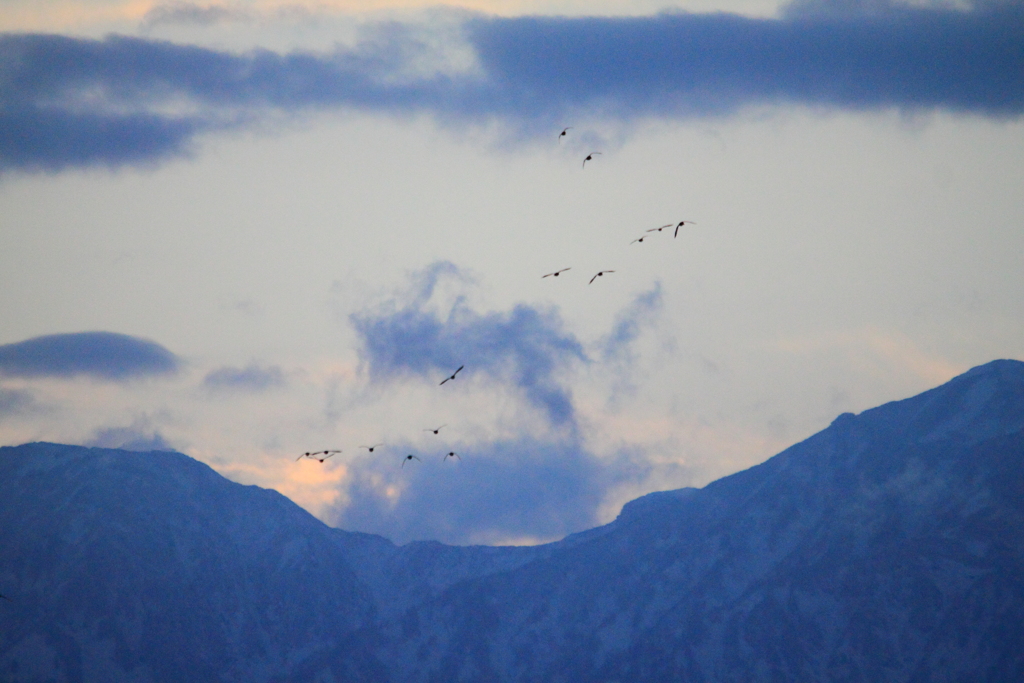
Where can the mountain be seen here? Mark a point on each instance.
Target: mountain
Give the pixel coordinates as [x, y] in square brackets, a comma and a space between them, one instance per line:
[123, 566]
[889, 546]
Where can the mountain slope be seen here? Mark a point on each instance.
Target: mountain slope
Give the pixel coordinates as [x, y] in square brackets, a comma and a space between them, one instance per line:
[890, 546]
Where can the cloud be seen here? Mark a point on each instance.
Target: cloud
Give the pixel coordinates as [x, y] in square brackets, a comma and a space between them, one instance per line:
[250, 378]
[73, 102]
[46, 140]
[707, 64]
[530, 485]
[14, 402]
[64, 101]
[190, 13]
[881, 8]
[497, 493]
[136, 437]
[630, 322]
[102, 355]
[526, 346]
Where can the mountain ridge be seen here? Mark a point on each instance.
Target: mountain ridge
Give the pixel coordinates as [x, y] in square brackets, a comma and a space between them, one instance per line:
[886, 547]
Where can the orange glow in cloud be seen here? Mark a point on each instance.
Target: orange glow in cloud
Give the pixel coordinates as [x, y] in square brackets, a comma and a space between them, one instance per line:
[101, 16]
[312, 484]
[308, 483]
[121, 15]
[879, 352]
[61, 16]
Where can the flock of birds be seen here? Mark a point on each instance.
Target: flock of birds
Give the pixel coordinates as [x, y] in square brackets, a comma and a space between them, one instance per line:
[638, 240]
[322, 456]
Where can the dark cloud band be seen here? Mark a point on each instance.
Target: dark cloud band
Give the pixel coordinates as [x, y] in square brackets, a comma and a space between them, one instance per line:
[103, 355]
[686, 65]
[64, 100]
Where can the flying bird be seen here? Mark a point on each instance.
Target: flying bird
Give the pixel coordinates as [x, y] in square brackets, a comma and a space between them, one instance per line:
[599, 275]
[640, 239]
[450, 454]
[326, 454]
[5, 598]
[309, 454]
[453, 375]
[437, 429]
[660, 229]
[408, 458]
[370, 448]
[681, 224]
[556, 273]
[562, 134]
[589, 157]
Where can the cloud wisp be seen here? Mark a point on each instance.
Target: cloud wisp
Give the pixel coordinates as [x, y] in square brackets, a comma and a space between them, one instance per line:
[14, 402]
[139, 436]
[189, 13]
[76, 102]
[100, 355]
[629, 324]
[251, 378]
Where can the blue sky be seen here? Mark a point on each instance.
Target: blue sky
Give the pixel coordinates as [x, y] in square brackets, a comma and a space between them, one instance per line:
[248, 230]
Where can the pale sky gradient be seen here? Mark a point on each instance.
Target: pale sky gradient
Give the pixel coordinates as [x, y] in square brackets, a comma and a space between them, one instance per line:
[844, 255]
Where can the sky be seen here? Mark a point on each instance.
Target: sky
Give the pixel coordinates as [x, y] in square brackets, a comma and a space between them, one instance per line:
[250, 230]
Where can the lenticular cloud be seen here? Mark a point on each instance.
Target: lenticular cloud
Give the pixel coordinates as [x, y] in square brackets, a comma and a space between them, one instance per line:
[102, 355]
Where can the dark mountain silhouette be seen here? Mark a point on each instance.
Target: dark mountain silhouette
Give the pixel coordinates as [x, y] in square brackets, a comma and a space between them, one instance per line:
[889, 546]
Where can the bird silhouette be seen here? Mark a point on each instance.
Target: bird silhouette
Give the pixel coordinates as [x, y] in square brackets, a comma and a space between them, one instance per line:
[589, 158]
[660, 229]
[436, 430]
[562, 134]
[599, 275]
[5, 598]
[681, 224]
[640, 239]
[408, 458]
[326, 454]
[370, 448]
[453, 375]
[309, 454]
[556, 273]
[450, 454]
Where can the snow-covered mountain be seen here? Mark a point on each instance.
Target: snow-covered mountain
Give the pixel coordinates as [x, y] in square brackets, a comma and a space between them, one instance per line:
[889, 546]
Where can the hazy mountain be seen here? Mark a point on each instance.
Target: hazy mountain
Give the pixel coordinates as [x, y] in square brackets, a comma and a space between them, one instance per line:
[888, 547]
